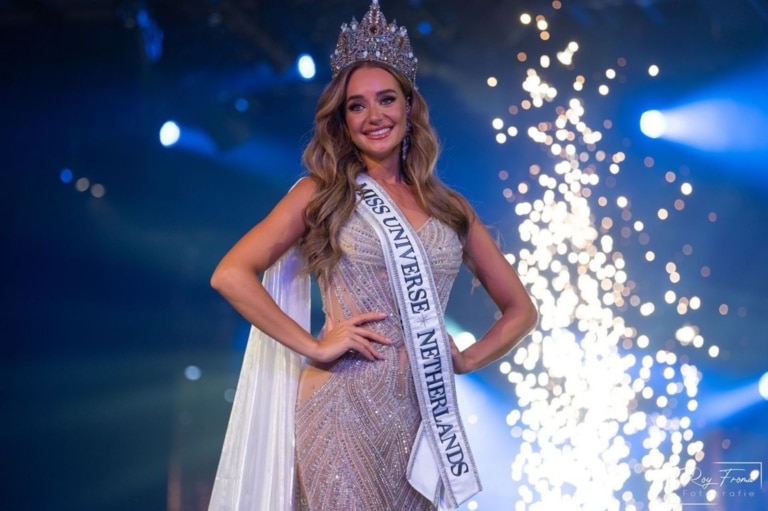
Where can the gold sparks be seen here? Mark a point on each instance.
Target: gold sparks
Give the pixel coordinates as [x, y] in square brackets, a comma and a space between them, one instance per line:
[603, 410]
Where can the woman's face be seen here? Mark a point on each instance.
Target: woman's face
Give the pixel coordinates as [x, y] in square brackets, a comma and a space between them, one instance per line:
[375, 112]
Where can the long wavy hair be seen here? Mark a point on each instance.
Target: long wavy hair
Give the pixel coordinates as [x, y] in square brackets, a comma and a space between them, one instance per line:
[333, 163]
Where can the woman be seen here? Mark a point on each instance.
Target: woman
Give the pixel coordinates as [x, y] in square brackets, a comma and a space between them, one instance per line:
[375, 374]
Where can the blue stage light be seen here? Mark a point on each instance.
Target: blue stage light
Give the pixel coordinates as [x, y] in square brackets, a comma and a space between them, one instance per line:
[169, 133]
[151, 34]
[66, 176]
[653, 124]
[726, 403]
[306, 66]
[724, 119]
[242, 104]
[762, 386]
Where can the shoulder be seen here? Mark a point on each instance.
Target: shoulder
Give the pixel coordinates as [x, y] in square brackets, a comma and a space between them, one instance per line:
[304, 187]
[300, 194]
[291, 207]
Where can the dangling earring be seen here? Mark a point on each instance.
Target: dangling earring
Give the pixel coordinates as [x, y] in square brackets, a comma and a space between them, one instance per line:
[405, 145]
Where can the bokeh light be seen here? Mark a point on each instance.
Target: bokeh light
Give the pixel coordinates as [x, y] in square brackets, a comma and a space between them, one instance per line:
[305, 64]
[192, 373]
[169, 133]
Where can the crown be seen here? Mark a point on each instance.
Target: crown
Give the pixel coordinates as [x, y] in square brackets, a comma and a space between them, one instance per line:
[374, 40]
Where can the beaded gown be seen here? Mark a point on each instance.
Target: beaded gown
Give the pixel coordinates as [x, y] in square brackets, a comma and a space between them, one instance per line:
[354, 434]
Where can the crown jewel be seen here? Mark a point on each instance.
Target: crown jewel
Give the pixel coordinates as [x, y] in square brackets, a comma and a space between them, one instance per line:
[374, 40]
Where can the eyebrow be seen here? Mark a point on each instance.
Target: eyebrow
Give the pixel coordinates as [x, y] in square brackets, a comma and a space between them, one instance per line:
[378, 94]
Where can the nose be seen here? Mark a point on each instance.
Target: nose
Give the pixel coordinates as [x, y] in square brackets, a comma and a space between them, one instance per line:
[374, 114]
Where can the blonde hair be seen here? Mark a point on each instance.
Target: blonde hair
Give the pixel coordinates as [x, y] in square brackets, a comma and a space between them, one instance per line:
[333, 163]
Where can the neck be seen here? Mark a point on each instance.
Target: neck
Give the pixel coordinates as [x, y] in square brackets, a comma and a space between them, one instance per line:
[384, 172]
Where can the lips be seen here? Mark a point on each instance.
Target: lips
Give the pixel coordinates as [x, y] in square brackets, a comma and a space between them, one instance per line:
[379, 133]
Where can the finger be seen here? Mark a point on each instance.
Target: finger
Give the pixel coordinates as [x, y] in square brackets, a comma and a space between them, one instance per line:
[365, 348]
[364, 352]
[372, 335]
[365, 317]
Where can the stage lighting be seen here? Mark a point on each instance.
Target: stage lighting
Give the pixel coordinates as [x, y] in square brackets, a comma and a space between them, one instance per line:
[151, 34]
[65, 176]
[725, 119]
[242, 104]
[762, 386]
[169, 133]
[653, 124]
[192, 373]
[192, 139]
[306, 66]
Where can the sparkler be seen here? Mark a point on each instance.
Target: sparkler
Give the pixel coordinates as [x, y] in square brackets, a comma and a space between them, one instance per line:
[602, 410]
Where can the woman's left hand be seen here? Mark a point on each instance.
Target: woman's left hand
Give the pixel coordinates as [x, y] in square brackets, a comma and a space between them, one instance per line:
[461, 364]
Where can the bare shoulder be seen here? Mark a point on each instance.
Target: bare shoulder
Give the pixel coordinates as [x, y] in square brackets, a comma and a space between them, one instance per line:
[261, 246]
[302, 190]
[293, 203]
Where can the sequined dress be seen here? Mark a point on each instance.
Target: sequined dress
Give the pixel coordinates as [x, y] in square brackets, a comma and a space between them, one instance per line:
[355, 432]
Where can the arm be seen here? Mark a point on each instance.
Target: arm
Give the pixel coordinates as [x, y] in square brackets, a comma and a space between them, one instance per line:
[237, 278]
[498, 277]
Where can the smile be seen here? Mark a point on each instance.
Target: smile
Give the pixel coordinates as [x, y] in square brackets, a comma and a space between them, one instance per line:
[380, 133]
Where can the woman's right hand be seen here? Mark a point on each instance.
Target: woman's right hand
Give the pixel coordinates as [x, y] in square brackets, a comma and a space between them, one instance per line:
[351, 335]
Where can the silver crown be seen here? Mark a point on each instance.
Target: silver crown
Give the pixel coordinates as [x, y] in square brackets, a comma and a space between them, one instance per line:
[374, 40]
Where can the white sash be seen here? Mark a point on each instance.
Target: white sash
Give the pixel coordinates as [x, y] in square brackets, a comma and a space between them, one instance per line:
[441, 466]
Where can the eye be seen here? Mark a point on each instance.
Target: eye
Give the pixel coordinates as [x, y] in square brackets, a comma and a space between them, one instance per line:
[354, 107]
[388, 100]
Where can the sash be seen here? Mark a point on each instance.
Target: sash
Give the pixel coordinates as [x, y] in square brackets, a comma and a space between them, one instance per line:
[441, 466]
[255, 471]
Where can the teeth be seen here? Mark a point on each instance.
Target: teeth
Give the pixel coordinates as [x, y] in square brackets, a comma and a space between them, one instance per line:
[378, 132]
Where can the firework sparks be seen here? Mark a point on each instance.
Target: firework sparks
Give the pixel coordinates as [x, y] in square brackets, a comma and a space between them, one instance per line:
[602, 411]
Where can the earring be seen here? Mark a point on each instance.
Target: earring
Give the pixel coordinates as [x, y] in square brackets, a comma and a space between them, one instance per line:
[405, 145]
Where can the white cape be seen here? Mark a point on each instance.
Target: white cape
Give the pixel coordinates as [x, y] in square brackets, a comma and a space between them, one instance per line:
[256, 468]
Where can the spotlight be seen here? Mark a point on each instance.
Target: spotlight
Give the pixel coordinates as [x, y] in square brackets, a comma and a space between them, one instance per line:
[306, 66]
[733, 401]
[169, 133]
[725, 119]
[653, 124]
[762, 386]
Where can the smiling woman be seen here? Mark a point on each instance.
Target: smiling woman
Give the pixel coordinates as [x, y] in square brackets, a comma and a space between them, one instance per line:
[377, 423]
[376, 114]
